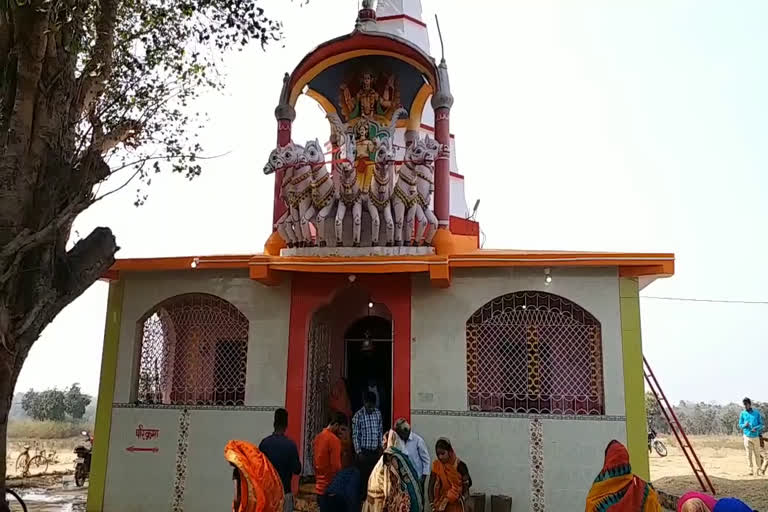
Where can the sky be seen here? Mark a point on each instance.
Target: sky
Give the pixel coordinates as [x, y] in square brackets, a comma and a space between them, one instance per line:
[593, 125]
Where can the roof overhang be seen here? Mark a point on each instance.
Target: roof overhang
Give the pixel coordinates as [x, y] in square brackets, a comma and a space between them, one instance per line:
[270, 270]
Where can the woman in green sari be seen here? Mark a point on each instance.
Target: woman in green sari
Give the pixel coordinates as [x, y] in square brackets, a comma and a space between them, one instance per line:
[394, 485]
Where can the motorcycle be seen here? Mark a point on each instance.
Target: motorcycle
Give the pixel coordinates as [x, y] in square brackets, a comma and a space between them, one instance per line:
[654, 443]
[83, 460]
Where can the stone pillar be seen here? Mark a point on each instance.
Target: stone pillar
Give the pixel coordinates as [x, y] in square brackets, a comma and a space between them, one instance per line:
[442, 101]
[283, 138]
[285, 114]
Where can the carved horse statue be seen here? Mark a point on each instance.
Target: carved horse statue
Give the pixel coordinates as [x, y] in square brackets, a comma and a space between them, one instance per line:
[379, 197]
[426, 221]
[290, 156]
[348, 194]
[425, 174]
[285, 226]
[405, 199]
[322, 188]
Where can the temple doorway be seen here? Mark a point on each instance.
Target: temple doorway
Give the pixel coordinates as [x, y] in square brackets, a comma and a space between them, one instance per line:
[349, 343]
[368, 363]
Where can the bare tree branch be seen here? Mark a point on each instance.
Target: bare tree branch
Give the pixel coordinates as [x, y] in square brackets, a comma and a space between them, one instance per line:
[99, 68]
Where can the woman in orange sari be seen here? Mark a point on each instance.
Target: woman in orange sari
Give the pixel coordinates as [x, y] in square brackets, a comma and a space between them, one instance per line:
[257, 485]
[449, 481]
[338, 401]
[616, 489]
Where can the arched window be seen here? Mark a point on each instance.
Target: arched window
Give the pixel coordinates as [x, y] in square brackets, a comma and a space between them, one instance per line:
[534, 352]
[193, 350]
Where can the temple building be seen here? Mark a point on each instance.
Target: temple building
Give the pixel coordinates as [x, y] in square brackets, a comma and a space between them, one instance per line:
[530, 361]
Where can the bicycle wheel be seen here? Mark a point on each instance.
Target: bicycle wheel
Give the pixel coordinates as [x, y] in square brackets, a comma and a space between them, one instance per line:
[38, 465]
[21, 463]
[15, 503]
[660, 448]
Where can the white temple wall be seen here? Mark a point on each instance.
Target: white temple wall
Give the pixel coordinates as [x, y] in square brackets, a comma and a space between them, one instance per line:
[193, 436]
[266, 308]
[501, 449]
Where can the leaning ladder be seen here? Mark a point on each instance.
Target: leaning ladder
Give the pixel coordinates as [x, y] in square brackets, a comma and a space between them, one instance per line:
[677, 429]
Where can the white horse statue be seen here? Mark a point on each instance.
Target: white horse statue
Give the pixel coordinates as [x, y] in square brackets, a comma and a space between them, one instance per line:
[379, 199]
[294, 169]
[323, 191]
[426, 221]
[349, 194]
[284, 225]
[405, 199]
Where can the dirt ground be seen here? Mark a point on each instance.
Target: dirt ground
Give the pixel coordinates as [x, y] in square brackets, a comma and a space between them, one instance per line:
[724, 461]
[64, 454]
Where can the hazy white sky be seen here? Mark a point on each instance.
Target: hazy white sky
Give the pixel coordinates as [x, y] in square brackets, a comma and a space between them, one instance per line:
[594, 125]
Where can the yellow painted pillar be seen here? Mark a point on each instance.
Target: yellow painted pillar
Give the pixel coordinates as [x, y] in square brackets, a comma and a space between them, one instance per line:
[634, 384]
[98, 476]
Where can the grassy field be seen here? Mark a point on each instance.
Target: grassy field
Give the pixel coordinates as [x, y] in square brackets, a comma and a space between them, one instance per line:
[30, 429]
[724, 461]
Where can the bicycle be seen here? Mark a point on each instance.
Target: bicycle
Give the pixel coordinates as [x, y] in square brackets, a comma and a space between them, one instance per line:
[22, 461]
[40, 461]
[14, 501]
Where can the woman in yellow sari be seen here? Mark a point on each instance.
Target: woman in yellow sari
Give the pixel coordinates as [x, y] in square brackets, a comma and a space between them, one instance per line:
[258, 486]
[616, 489]
[449, 481]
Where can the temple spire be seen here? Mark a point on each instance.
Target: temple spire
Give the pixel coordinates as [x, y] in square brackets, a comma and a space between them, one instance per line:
[403, 19]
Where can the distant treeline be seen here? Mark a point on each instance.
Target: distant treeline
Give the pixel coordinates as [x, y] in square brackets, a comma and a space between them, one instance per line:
[700, 418]
[54, 405]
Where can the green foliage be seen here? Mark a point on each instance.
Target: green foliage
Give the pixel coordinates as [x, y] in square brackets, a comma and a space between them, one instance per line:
[700, 418]
[75, 402]
[55, 405]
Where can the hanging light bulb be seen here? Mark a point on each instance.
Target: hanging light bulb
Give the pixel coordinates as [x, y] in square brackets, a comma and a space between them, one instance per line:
[370, 305]
[547, 277]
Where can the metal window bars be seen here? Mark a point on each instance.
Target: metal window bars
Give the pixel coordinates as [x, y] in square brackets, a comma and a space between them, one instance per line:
[534, 353]
[193, 352]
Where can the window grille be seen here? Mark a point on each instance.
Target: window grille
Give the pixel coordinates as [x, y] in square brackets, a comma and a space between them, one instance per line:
[193, 351]
[535, 353]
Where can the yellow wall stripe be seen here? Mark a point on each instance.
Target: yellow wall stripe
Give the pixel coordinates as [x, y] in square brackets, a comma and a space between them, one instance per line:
[98, 476]
[634, 385]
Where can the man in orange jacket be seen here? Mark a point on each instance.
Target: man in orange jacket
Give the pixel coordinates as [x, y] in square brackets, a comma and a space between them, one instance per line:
[327, 448]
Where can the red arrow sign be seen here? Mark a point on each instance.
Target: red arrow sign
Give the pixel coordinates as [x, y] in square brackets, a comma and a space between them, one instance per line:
[133, 449]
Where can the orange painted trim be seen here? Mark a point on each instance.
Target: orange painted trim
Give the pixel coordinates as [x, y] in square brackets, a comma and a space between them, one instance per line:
[440, 276]
[267, 268]
[180, 263]
[466, 242]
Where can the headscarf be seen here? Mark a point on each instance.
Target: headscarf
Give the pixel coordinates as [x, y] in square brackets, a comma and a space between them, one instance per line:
[397, 489]
[449, 486]
[616, 489]
[261, 489]
[694, 505]
[731, 505]
[705, 499]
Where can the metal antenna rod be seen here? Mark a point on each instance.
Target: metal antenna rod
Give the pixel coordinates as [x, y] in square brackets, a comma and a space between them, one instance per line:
[440, 35]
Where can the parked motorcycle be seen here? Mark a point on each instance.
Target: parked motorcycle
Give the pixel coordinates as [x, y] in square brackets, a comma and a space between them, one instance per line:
[83, 460]
[654, 443]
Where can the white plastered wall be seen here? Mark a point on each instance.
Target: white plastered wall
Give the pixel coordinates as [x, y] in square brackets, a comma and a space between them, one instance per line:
[138, 481]
[497, 448]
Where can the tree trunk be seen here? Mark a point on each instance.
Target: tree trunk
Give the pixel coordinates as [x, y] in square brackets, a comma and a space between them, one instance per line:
[9, 372]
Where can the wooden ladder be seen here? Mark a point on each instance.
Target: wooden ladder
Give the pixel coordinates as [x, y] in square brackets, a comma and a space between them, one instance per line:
[677, 429]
